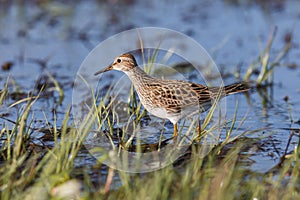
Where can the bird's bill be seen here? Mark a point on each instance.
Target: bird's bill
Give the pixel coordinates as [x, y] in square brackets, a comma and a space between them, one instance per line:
[110, 67]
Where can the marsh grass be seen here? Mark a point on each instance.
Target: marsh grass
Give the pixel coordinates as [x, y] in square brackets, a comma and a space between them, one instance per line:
[3, 95]
[217, 176]
[265, 64]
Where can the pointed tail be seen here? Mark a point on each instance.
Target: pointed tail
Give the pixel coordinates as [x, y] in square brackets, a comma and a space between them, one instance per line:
[236, 88]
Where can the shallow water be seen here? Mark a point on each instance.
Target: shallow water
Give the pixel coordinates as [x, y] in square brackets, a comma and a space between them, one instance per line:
[56, 37]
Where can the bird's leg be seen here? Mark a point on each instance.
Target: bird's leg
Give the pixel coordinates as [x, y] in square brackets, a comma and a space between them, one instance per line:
[175, 130]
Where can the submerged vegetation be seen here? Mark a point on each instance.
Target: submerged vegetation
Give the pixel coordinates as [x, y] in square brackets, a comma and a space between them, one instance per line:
[264, 62]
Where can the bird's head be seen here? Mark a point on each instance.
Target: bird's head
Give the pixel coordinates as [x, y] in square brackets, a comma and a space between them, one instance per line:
[124, 63]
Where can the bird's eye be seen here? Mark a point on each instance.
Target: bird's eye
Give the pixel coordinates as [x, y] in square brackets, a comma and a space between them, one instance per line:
[119, 60]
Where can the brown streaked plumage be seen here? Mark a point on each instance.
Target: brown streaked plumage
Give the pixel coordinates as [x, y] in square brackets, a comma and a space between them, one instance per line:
[170, 99]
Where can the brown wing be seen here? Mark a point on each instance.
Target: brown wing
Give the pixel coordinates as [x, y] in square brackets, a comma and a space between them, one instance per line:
[165, 96]
[177, 95]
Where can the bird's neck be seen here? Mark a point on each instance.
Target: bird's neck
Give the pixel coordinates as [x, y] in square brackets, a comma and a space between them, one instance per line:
[138, 76]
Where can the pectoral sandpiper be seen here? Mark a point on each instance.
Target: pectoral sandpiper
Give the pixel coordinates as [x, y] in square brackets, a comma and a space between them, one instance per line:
[170, 99]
